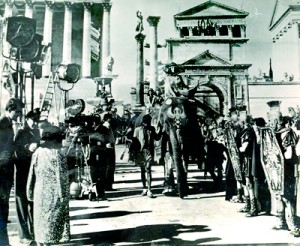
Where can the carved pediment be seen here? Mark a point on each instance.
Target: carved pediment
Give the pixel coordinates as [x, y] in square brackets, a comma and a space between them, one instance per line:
[211, 9]
[207, 59]
[281, 9]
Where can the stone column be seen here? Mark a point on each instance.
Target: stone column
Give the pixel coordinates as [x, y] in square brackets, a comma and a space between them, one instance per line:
[140, 70]
[153, 21]
[226, 109]
[217, 31]
[28, 9]
[8, 8]
[48, 20]
[169, 52]
[67, 42]
[246, 96]
[190, 31]
[229, 92]
[229, 31]
[86, 45]
[105, 35]
[243, 31]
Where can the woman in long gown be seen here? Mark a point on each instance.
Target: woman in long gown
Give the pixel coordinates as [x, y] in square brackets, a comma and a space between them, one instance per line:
[48, 188]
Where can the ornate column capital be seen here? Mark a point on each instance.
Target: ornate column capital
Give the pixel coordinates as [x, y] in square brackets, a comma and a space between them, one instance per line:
[68, 4]
[29, 3]
[153, 20]
[49, 4]
[106, 6]
[140, 37]
[9, 2]
[87, 6]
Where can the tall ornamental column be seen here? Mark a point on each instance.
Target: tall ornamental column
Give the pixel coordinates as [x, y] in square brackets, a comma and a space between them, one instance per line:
[229, 91]
[153, 21]
[169, 52]
[28, 8]
[105, 35]
[140, 70]
[86, 45]
[67, 42]
[246, 100]
[48, 20]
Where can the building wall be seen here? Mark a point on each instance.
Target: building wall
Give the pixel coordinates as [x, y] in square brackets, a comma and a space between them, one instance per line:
[239, 54]
[286, 54]
[186, 50]
[260, 94]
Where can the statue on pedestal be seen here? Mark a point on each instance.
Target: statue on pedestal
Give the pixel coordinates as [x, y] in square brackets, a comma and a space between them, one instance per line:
[140, 27]
[109, 64]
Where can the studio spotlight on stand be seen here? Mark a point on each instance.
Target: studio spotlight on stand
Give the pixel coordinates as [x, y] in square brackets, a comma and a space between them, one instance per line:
[69, 72]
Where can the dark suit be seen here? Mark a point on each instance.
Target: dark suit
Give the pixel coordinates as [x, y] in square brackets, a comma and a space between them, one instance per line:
[6, 173]
[24, 208]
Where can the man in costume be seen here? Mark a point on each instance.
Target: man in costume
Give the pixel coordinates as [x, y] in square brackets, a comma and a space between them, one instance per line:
[233, 170]
[144, 137]
[287, 140]
[248, 140]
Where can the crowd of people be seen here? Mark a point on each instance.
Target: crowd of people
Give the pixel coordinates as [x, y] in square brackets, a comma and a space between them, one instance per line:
[43, 161]
[246, 150]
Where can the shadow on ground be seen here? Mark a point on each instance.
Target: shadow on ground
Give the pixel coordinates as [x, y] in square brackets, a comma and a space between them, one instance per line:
[144, 235]
[84, 208]
[203, 187]
[100, 215]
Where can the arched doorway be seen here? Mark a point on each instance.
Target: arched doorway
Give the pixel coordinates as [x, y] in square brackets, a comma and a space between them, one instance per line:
[211, 99]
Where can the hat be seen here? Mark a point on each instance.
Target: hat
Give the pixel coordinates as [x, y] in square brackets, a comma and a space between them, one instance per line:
[274, 104]
[242, 108]
[146, 119]
[260, 121]
[232, 110]
[34, 115]
[51, 132]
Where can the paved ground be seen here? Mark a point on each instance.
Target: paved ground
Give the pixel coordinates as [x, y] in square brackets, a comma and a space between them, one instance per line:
[127, 218]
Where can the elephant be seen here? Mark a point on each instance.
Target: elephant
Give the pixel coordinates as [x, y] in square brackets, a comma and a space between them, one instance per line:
[181, 138]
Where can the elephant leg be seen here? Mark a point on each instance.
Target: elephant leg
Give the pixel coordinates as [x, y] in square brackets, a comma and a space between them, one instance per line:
[169, 183]
[163, 148]
[181, 179]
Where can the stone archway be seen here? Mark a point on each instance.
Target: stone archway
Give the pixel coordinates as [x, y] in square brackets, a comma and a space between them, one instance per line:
[214, 95]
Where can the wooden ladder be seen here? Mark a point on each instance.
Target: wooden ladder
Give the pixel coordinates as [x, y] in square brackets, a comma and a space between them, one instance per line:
[48, 97]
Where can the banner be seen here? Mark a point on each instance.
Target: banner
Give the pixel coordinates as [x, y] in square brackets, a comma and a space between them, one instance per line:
[95, 42]
[272, 161]
[233, 154]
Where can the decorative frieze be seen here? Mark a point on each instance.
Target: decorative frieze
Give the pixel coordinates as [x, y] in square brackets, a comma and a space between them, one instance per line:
[220, 22]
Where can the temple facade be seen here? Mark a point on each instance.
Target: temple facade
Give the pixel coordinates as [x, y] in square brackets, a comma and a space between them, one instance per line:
[210, 48]
[79, 31]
